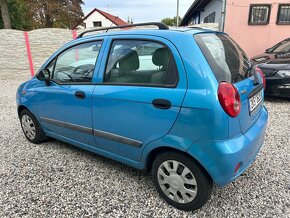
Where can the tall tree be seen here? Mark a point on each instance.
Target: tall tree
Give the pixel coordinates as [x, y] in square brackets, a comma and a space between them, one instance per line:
[20, 15]
[170, 21]
[5, 14]
[32, 14]
[56, 13]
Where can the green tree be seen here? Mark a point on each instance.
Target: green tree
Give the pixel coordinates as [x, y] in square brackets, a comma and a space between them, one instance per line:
[170, 21]
[18, 13]
[5, 14]
[56, 13]
[33, 14]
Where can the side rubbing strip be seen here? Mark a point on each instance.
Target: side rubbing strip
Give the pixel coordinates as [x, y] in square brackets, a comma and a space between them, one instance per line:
[98, 133]
[117, 138]
[68, 125]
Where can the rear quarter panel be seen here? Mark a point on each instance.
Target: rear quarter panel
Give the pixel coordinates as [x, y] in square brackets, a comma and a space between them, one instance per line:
[201, 116]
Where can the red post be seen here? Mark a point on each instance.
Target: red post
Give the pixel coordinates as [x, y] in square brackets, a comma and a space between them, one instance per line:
[74, 32]
[29, 53]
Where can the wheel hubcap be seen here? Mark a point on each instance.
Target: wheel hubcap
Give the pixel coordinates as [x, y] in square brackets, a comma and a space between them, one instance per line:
[28, 127]
[177, 181]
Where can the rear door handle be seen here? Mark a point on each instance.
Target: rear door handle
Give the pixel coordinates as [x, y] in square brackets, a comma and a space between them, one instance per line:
[161, 103]
[80, 94]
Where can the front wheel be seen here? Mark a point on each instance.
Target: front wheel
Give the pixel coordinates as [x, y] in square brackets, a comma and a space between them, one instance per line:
[181, 181]
[31, 128]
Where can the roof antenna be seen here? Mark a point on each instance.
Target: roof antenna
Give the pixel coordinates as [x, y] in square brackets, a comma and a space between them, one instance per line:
[109, 7]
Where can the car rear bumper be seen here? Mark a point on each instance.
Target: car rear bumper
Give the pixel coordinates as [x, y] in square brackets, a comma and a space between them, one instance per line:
[220, 158]
[277, 87]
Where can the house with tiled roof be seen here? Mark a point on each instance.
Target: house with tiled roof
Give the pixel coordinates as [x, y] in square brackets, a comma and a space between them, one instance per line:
[99, 18]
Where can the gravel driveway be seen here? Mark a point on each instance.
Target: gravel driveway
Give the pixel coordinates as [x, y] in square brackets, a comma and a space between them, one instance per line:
[55, 179]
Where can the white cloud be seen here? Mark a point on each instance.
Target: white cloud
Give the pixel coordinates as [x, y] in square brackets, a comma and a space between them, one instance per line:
[140, 11]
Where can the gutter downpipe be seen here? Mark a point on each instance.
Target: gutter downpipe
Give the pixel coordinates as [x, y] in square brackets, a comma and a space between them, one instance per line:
[177, 14]
[223, 16]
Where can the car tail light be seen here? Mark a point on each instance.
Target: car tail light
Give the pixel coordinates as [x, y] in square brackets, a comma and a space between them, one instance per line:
[262, 76]
[229, 99]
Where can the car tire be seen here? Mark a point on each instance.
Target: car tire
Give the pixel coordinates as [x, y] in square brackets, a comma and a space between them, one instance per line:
[31, 128]
[181, 181]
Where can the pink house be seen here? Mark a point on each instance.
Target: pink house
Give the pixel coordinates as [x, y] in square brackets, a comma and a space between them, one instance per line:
[255, 24]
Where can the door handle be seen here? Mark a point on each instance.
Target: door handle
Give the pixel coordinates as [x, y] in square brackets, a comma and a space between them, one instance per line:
[161, 103]
[80, 94]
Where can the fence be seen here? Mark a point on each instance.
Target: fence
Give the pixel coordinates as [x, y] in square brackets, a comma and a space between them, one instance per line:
[13, 48]
[14, 56]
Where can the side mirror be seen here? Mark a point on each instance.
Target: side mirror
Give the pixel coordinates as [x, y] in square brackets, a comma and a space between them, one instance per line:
[45, 76]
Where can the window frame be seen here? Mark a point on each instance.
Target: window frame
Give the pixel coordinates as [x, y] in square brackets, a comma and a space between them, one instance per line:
[97, 22]
[278, 14]
[209, 16]
[251, 11]
[61, 52]
[140, 84]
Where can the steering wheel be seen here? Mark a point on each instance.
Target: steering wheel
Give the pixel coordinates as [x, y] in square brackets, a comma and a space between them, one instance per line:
[70, 77]
[84, 69]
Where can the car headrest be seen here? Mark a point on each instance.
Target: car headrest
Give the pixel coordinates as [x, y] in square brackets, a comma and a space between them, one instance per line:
[130, 61]
[160, 57]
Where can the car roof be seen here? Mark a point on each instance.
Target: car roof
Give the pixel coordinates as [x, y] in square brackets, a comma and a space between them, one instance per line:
[155, 32]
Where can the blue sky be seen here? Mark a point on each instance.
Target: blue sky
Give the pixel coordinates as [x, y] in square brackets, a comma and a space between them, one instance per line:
[140, 11]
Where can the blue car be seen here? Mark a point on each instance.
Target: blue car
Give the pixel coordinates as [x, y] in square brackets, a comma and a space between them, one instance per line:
[183, 104]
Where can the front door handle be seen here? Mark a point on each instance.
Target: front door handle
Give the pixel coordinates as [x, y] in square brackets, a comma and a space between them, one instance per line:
[80, 94]
[161, 103]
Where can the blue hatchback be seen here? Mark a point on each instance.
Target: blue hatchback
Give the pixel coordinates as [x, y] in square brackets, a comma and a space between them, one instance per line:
[183, 104]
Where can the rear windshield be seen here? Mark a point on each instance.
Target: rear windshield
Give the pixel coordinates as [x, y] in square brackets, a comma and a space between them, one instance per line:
[225, 57]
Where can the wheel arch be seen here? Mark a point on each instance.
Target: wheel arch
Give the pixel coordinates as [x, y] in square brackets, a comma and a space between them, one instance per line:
[157, 151]
[21, 108]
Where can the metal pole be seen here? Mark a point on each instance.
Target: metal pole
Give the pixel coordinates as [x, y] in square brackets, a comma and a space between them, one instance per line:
[223, 16]
[177, 14]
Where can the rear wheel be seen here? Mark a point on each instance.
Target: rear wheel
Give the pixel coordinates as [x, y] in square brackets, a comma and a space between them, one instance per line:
[31, 128]
[181, 181]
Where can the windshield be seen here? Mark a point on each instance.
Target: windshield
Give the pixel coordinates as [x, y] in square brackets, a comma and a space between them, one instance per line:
[281, 47]
[225, 57]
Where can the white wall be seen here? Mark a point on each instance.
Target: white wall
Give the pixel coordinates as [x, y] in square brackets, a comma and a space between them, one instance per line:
[213, 6]
[96, 16]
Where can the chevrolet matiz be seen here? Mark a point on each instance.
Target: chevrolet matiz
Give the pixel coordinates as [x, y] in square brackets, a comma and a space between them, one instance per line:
[183, 104]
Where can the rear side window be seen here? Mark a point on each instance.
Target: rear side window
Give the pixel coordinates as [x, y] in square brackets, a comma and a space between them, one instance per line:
[140, 63]
[226, 59]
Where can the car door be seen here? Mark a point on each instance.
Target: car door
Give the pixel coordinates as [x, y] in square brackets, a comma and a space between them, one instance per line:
[64, 106]
[140, 92]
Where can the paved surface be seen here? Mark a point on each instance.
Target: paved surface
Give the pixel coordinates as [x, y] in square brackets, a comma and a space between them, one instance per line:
[55, 179]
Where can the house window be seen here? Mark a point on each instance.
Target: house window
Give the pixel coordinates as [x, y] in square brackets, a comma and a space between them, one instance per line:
[259, 14]
[97, 23]
[195, 20]
[283, 14]
[210, 18]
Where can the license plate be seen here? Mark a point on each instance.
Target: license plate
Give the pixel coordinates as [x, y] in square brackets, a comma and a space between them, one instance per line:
[255, 101]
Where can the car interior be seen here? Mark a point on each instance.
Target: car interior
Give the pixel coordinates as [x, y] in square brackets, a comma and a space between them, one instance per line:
[126, 68]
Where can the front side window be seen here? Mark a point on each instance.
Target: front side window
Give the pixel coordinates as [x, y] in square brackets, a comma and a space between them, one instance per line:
[76, 64]
[283, 14]
[259, 14]
[138, 62]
